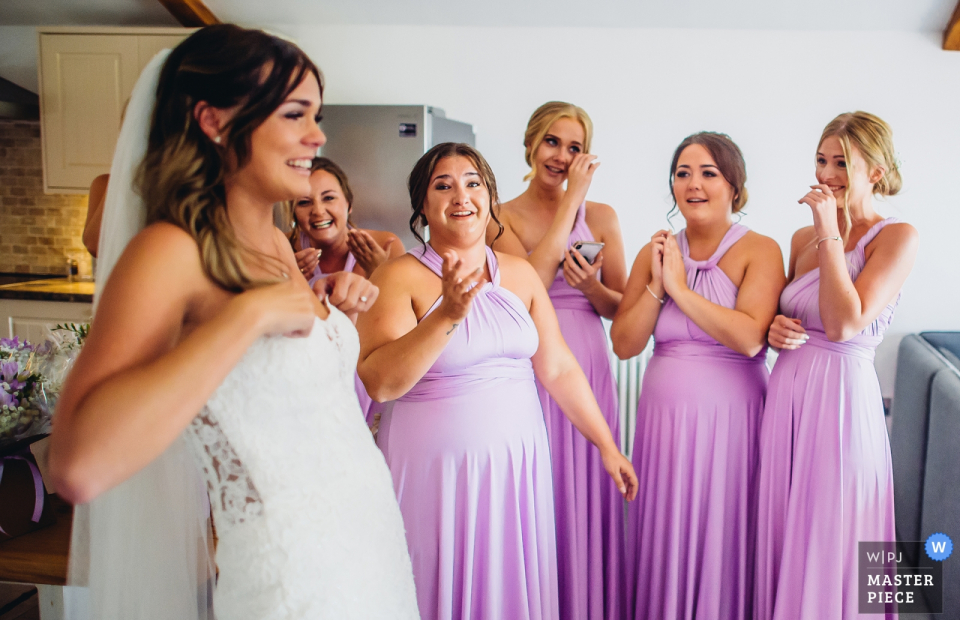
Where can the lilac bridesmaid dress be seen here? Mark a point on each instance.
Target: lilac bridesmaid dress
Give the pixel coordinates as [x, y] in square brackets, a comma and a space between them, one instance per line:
[368, 406]
[470, 461]
[690, 533]
[826, 480]
[589, 509]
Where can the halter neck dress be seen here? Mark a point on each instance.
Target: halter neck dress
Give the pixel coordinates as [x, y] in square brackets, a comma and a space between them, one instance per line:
[826, 480]
[470, 461]
[690, 532]
[589, 509]
[368, 406]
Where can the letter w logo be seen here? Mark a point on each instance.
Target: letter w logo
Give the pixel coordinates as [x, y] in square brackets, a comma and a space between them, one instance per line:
[939, 546]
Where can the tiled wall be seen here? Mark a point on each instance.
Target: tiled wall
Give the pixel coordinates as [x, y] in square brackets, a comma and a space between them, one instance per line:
[37, 231]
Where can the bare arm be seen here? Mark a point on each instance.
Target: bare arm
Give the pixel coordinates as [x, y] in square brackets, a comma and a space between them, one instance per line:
[395, 350]
[136, 385]
[847, 307]
[558, 371]
[638, 313]
[549, 253]
[91, 227]
[743, 328]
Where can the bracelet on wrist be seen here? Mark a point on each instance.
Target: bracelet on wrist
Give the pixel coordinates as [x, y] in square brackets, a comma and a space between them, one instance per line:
[828, 239]
[661, 300]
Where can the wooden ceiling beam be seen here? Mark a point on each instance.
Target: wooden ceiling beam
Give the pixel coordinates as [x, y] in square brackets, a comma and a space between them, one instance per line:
[190, 13]
[951, 36]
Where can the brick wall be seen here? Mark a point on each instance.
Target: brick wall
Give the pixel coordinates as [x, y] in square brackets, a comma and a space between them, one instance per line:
[37, 231]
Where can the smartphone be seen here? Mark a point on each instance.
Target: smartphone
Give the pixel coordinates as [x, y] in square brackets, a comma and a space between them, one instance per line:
[588, 249]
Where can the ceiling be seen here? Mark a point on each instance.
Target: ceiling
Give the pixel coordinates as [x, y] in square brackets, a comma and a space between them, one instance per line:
[898, 15]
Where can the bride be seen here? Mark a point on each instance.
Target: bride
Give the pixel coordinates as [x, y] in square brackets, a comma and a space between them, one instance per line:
[209, 352]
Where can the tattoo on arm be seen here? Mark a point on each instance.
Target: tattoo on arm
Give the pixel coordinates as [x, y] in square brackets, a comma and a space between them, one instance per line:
[453, 329]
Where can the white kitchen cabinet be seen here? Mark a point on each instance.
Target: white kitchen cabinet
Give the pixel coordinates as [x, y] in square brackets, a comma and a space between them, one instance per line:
[86, 77]
[30, 319]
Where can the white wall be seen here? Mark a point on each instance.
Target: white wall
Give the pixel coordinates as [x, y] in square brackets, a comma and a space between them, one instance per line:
[772, 91]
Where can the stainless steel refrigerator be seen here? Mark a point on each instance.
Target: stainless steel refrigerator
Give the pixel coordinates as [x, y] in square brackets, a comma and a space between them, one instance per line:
[377, 146]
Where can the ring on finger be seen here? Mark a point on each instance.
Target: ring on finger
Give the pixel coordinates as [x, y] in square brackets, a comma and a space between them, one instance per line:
[363, 298]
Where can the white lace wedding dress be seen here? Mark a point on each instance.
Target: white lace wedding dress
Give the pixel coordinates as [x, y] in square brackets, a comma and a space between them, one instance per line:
[303, 504]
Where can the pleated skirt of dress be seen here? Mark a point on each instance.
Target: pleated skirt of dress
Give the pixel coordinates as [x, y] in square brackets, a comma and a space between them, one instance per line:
[691, 531]
[589, 509]
[826, 483]
[472, 476]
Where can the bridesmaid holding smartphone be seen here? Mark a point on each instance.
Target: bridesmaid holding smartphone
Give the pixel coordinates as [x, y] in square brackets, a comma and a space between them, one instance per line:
[544, 225]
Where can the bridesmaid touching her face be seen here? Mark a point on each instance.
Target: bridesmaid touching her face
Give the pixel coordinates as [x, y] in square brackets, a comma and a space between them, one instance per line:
[707, 295]
[542, 225]
[826, 480]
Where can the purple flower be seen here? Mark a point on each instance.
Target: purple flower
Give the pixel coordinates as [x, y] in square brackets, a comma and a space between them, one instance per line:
[8, 399]
[15, 344]
[9, 372]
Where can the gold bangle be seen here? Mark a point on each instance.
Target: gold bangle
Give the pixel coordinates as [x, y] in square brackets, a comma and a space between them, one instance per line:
[828, 239]
[650, 290]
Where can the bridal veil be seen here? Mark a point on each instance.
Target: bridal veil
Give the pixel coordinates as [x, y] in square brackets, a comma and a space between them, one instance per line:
[141, 548]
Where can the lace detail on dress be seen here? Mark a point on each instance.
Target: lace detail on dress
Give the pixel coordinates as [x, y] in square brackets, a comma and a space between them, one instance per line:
[228, 483]
[304, 505]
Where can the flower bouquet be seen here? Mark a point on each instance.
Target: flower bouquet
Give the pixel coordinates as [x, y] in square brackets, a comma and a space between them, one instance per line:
[30, 380]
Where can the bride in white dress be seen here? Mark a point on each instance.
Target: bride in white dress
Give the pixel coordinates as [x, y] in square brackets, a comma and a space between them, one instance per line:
[210, 353]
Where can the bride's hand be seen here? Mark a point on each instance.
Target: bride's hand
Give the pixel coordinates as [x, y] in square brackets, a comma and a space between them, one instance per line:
[621, 470]
[348, 292]
[284, 308]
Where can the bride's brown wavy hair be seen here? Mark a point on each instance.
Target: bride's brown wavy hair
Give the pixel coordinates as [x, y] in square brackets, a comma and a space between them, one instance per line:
[181, 178]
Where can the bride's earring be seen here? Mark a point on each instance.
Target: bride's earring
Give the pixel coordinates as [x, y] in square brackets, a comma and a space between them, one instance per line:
[217, 140]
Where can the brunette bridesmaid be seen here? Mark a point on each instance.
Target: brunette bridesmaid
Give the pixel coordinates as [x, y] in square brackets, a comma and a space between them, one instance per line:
[457, 336]
[326, 243]
[826, 481]
[707, 295]
[542, 225]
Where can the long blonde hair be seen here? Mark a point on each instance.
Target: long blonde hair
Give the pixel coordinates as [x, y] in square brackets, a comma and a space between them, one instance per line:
[541, 121]
[181, 178]
[873, 139]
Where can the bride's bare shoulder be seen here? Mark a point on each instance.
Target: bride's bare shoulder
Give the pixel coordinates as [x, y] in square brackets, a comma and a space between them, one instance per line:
[161, 259]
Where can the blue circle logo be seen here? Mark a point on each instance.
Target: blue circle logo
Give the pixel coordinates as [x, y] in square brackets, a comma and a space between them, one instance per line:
[939, 547]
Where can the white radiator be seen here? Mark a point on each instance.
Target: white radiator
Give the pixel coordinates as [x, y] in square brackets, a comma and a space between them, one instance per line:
[629, 377]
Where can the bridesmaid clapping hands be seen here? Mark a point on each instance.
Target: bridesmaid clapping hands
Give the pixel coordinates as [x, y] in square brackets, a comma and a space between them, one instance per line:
[708, 295]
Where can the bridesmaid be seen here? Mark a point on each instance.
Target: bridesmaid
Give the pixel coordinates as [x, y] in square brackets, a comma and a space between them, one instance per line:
[707, 296]
[457, 336]
[326, 243]
[541, 225]
[825, 474]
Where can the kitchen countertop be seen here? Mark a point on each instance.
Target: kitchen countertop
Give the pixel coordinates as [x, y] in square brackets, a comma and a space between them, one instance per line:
[56, 289]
